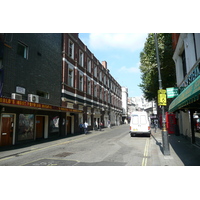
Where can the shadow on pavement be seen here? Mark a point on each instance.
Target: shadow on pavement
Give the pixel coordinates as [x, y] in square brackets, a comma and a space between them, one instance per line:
[188, 153]
[158, 143]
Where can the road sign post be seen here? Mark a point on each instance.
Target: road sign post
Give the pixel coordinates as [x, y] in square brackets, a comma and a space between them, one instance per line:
[162, 101]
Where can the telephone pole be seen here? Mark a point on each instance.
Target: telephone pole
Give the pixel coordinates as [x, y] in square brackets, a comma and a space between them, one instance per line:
[165, 139]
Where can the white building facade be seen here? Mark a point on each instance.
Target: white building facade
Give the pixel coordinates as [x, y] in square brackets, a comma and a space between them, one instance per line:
[124, 103]
[186, 105]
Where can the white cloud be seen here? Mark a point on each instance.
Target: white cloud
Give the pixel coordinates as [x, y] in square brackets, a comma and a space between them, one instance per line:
[129, 70]
[128, 41]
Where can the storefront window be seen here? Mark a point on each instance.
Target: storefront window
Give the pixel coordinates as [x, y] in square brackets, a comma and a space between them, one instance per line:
[26, 127]
[54, 125]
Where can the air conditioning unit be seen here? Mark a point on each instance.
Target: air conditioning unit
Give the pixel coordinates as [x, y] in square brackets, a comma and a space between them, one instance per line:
[33, 98]
[16, 96]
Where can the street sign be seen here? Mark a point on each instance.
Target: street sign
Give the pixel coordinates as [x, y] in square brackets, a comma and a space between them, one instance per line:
[162, 101]
[172, 92]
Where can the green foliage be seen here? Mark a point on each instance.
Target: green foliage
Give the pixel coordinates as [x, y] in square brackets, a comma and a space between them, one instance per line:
[148, 66]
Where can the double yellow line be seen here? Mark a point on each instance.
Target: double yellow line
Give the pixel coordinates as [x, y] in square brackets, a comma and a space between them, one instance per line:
[146, 150]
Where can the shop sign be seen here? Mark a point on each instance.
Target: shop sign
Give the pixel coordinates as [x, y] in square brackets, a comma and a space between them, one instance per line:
[190, 77]
[35, 105]
[20, 90]
[172, 92]
[162, 100]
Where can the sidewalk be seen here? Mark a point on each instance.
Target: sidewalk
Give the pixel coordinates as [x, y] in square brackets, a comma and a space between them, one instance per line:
[182, 151]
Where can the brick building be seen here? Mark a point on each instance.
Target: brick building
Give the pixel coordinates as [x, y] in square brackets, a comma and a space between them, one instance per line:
[88, 86]
[49, 83]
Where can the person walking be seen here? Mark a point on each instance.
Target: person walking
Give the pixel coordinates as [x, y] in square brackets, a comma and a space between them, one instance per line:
[108, 123]
[100, 125]
[85, 126]
[96, 126]
[81, 127]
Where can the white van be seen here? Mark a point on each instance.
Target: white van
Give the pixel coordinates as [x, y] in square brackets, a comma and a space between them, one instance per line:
[139, 123]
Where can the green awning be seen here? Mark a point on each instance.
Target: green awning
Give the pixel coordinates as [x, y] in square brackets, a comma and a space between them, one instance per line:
[189, 95]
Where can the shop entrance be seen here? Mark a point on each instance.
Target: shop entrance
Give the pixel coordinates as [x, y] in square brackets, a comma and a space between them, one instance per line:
[7, 130]
[68, 125]
[40, 127]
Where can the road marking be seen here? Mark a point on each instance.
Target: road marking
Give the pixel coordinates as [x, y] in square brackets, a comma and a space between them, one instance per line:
[38, 149]
[146, 150]
[34, 150]
[6, 158]
[46, 163]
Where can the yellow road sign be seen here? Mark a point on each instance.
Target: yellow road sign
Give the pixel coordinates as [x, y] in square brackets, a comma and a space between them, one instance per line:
[162, 100]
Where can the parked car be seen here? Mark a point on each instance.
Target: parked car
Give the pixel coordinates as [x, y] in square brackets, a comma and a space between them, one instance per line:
[139, 124]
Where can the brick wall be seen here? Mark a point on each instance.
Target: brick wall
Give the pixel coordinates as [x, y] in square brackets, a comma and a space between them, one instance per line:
[41, 71]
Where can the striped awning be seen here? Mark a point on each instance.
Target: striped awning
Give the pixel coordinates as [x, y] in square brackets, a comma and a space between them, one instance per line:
[188, 96]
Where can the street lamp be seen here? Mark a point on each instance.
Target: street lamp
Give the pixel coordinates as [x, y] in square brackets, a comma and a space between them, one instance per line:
[165, 139]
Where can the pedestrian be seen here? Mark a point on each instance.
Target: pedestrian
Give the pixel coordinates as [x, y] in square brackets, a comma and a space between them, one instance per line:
[100, 125]
[108, 123]
[96, 126]
[85, 126]
[81, 127]
[155, 125]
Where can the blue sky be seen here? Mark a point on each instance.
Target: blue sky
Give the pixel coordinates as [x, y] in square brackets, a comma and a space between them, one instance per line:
[122, 53]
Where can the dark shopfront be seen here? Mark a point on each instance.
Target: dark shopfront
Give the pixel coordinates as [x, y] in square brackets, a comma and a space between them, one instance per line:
[23, 121]
[188, 101]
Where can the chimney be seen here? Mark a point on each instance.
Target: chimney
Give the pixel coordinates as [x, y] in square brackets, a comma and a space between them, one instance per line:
[104, 63]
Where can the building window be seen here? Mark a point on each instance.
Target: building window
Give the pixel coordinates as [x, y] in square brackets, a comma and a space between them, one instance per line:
[100, 93]
[95, 90]
[105, 82]
[95, 71]
[89, 120]
[71, 49]
[184, 63]
[43, 94]
[26, 127]
[81, 82]
[70, 77]
[109, 98]
[100, 76]
[22, 50]
[89, 87]
[81, 58]
[89, 65]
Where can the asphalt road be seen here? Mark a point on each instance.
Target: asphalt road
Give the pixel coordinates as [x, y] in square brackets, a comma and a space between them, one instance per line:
[110, 147]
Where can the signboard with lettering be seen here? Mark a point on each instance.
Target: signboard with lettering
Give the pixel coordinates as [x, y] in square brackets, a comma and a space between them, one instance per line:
[172, 92]
[20, 90]
[35, 105]
[162, 100]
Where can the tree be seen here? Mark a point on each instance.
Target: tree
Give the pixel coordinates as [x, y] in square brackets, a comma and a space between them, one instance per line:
[149, 68]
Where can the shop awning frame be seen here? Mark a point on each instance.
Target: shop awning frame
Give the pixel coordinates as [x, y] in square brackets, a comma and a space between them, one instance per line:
[188, 96]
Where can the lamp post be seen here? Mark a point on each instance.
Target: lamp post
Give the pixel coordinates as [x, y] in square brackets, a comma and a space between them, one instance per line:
[165, 139]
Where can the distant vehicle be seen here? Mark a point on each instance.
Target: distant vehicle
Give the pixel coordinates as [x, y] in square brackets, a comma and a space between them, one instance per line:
[139, 124]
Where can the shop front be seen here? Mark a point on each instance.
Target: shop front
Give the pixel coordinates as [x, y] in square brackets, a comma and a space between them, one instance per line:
[187, 106]
[23, 121]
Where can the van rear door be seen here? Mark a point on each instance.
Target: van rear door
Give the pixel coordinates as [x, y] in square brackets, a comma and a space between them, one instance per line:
[134, 123]
[144, 123]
